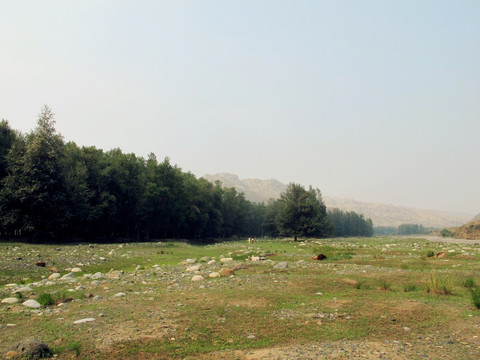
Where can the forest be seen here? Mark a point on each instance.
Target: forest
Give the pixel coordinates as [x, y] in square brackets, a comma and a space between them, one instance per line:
[54, 190]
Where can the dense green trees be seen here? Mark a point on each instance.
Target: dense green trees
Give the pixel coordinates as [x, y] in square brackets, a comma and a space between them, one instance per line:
[50, 189]
[349, 223]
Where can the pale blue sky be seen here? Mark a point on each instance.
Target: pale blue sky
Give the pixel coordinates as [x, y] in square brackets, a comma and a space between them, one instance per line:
[373, 100]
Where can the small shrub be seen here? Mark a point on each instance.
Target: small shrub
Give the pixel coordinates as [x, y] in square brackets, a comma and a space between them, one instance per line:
[440, 286]
[362, 285]
[476, 297]
[469, 283]
[410, 287]
[19, 296]
[430, 253]
[46, 299]
[385, 285]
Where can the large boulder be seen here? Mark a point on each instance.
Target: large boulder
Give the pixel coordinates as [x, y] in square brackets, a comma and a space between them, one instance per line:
[32, 349]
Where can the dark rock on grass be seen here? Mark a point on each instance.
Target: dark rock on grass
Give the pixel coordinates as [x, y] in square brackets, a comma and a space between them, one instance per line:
[32, 348]
[40, 263]
[319, 257]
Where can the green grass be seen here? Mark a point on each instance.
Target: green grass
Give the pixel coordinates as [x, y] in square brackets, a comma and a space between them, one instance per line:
[365, 289]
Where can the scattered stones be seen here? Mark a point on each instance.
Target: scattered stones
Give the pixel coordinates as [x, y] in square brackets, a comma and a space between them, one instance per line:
[214, 275]
[10, 300]
[212, 262]
[319, 257]
[441, 255]
[31, 349]
[41, 263]
[31, 304]
[198, 278]
[281, 265]
[82, 321]
[251, 336]
[76, 270]
[225, 260]
[191, 261]
[120, 294]
[206, 259]
[227, 272]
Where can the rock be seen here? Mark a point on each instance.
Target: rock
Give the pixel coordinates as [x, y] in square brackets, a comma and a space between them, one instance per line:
[212, 262]
[102, 258]
[120, 294]
[81, 321]
[41, 263]
[224, 260]
[441, 255]
[191, 261]
[31, 304]
[22, 289]
[255, 258]
[76, 270]
[54, 276]
[214, 275]
[251, 336]
[32, 349]
[227, 272]
[10, 300]
[319, 257]
[198, 278]
[53, 269]
[68, 276]
[206, 258]
[281, 265]
[97, 297]
[11, 354]
[96, 276]
[193, 268]
[350, 282]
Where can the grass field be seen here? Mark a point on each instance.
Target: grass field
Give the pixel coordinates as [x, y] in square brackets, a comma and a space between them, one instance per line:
[371, 297]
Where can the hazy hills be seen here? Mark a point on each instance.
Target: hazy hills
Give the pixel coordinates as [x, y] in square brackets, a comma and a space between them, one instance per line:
[381, 214]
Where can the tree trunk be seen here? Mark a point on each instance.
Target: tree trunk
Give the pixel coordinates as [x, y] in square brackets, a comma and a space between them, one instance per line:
[295, 237]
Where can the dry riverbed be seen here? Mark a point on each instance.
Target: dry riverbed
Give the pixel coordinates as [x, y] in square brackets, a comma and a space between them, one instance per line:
[383, 298]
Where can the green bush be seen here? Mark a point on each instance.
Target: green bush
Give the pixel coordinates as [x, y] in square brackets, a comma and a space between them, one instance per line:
[476, 297]
[430, 253]
[469, 283]
[46, 299]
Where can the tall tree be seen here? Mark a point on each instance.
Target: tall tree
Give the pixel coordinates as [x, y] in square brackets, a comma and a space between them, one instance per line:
[303, 213]
[34, 193]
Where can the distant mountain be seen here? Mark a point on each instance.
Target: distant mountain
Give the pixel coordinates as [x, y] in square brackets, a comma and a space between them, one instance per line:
[381, 214]
[476, 218]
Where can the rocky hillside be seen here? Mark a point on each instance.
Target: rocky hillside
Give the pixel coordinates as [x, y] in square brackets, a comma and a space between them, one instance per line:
[381, 214]
[470, 230]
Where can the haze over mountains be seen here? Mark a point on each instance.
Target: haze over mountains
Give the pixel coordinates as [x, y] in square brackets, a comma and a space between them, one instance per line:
[381, 214]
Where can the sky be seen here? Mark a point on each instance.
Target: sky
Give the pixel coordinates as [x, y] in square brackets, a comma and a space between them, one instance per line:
[377, 101]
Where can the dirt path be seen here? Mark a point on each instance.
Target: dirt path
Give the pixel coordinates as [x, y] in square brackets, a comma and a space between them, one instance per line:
[441, 239]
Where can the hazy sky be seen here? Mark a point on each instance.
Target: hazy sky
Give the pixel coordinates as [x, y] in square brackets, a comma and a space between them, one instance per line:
[373, 100]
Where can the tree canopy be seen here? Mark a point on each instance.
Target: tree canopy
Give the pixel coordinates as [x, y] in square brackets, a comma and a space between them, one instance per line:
[56, 190]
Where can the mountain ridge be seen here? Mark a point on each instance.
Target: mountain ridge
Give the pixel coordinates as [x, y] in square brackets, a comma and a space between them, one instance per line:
[257, 190]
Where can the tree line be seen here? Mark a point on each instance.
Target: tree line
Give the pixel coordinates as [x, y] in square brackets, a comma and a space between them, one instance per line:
[52, 189]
